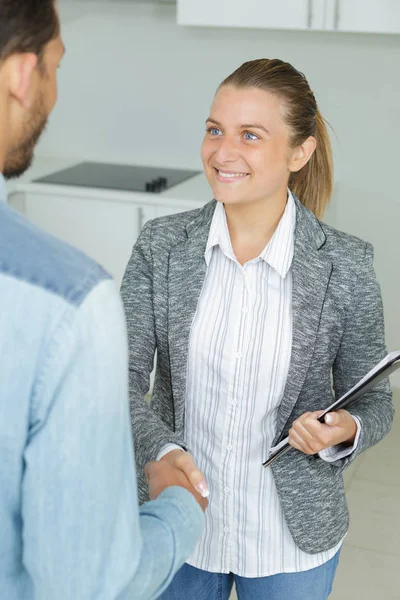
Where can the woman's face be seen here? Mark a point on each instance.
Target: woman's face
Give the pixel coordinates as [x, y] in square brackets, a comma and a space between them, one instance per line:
[246, 153]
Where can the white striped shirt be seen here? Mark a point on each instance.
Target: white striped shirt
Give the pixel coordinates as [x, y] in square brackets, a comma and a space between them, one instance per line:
[239, 355]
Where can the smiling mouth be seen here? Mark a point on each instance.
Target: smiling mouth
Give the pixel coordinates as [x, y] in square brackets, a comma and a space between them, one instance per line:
[230, 175]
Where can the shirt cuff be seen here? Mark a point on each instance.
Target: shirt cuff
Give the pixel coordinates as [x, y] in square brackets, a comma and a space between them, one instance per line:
[339, 451]
[168, 448]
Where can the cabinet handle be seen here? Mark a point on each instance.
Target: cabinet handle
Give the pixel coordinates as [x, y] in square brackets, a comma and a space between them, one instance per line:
[310, 14]
[337, 14]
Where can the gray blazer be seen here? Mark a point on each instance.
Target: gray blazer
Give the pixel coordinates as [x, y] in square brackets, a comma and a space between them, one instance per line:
[338, 330]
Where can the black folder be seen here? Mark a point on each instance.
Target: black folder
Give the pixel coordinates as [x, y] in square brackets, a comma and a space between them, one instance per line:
[382, 370]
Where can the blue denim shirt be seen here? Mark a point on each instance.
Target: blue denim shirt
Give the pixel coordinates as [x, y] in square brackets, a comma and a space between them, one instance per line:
[70, 526]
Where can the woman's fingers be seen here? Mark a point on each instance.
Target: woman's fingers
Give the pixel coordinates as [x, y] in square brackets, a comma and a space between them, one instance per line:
[184, 461]
[161, 475]
[310, 436]
[298, 442]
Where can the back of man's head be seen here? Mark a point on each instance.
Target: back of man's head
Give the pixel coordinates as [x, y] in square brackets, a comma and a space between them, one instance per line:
[27, 26]
[30, 52]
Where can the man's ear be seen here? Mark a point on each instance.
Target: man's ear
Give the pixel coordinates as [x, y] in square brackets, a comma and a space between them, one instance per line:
[302, 154]
[21, 72]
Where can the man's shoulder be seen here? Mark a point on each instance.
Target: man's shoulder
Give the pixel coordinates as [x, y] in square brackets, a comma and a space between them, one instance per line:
[29, 254]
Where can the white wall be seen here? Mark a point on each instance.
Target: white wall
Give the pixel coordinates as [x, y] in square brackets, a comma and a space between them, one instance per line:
[135, 87]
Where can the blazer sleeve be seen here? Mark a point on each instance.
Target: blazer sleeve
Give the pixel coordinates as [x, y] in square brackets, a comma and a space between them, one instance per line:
[362, 347]
[149, 432]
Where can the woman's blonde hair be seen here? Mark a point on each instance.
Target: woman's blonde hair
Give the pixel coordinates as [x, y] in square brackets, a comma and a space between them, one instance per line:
[314, 182]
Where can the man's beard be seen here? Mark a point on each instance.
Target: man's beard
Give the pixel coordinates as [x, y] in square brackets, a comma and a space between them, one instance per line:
[20, 157]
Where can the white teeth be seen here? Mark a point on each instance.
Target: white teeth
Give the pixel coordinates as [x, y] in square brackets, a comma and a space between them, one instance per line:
[230, 175]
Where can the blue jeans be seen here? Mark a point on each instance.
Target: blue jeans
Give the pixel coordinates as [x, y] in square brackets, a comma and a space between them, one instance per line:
[315, 584]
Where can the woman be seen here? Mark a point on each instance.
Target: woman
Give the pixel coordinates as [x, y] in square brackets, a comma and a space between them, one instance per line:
[252, 305]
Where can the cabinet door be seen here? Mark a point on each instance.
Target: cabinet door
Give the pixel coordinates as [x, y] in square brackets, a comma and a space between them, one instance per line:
[324, 14]
[104, 230]
[375, 16]
[270, 14]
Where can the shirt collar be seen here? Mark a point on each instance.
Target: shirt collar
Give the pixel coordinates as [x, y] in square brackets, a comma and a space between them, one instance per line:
[278, 253]
[219, 234]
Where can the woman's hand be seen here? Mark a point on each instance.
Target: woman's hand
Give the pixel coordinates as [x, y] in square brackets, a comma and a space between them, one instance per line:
[310, 436]
[161, 475]
[185, 463]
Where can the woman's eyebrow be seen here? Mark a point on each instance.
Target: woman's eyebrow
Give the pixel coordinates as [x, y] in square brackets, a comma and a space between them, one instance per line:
[209, 120]
[254, 126]
[244, 126]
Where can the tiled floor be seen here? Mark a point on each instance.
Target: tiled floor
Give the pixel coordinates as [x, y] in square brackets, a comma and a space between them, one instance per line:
[369, 567]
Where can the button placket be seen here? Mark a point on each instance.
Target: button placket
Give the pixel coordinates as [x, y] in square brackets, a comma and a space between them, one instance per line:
[228, 491]
[230, 435]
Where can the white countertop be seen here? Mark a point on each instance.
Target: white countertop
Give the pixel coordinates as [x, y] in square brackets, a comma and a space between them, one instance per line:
[195, 190]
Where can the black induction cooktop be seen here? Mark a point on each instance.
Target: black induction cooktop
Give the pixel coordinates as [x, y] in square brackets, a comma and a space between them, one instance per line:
[119, 177]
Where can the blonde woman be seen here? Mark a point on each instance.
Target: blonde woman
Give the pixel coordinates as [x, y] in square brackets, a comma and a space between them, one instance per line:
[252, 303]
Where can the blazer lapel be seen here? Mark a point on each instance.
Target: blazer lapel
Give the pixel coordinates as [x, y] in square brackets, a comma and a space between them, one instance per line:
[311, 272]
[187, 271]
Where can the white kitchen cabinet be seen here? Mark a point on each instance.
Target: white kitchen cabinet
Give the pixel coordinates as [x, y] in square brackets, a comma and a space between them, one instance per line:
[269, 14]
[363, 16]
[367, 16]
[105, 231]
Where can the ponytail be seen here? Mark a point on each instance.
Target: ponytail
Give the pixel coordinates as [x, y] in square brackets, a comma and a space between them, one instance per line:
[313, 184]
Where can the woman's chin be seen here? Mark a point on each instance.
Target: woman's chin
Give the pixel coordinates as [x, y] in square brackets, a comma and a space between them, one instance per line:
[229, 198]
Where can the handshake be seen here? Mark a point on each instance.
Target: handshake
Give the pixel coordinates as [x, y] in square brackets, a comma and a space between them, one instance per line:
[177, 468]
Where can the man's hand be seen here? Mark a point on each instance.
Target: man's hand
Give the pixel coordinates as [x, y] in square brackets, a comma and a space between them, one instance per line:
[185, 463]
[161, 475]
[310, 436]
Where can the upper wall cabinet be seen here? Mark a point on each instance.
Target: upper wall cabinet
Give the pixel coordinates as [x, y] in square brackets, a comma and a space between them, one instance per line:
[364, 16]
[369, 16]
[269, 14]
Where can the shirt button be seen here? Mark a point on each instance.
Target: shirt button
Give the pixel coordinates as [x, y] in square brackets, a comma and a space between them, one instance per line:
[244, 309]
[226, 529]
[229, 447]
[234, 402]
[238, 355]
[227, 490]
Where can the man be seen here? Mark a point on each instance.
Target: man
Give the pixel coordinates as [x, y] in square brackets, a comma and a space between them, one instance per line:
[70, 527]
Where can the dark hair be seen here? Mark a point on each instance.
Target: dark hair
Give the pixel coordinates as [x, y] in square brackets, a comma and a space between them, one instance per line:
[313, 183]
[27, 26]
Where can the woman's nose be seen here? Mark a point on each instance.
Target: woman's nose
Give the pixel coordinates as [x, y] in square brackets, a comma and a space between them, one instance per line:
[227, 151]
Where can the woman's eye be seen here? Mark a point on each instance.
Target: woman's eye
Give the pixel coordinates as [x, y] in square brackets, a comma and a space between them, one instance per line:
[214, 131]
[250, 136]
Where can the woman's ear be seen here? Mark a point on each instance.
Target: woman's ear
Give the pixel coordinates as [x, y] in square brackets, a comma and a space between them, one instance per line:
[302, 154]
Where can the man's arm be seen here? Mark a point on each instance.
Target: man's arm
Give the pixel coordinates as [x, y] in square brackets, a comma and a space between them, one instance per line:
[83, 534]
